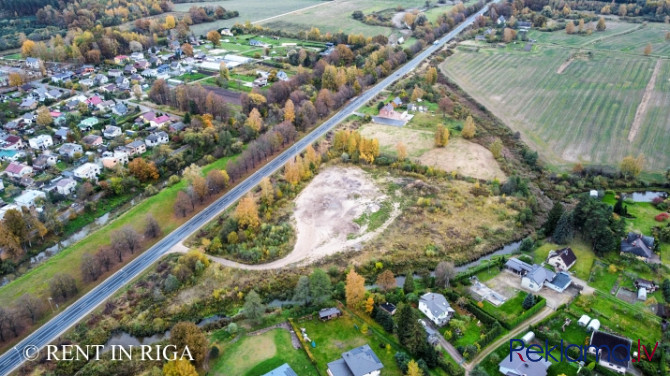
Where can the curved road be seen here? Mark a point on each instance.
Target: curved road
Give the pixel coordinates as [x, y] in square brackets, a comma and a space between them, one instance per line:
[50, 331]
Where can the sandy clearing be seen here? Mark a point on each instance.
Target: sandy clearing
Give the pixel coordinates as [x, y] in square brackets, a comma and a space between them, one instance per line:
[324, 217]
[466, 158]
[642, 108]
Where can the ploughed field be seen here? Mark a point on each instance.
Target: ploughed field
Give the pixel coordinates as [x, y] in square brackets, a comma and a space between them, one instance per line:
[575, 100]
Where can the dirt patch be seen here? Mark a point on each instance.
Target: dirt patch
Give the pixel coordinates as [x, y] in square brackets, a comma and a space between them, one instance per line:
[642, 108]
[231, 97]
[564, 66]
[466, 158]
[416, 141]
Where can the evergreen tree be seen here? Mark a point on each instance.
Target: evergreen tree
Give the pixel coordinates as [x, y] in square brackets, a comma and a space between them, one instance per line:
[408, 286]
[528, 302]
[526, 244]
[410, 331]
[564, 229]
[554, 216]
[384, 319]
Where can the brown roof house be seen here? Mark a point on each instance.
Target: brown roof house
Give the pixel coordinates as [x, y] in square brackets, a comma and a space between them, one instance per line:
[562, 259]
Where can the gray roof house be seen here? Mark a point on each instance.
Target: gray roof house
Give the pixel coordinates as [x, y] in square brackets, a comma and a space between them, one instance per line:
[534, 277]
[361, 361]
[283, 370]
[514, 366]
[436, 308]
[638, 245]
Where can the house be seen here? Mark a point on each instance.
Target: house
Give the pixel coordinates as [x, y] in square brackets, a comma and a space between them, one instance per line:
[65, 186]
[62, 77]
[122, 83]
[41, 142]
[147, 116]
[149, 73]
[110, 160]
[432, 335]
[120, 59]
[18, 170]
[45, 161]
[515, 366]
[157, 138]
[329, 313]
[534, 277]
[176, 68]
[501, 21]
[136, 148]
[120, 109]
[282, 76]
[226, 32]
[115, 73]
[28, 104]
[163, 68]
[137, 56]
[29, 198]
[177, 127]
[88, 171]
[642, 294]
[257, 43]
[638, 245]
[100, 79]
[361, 361]
[141, 65]
[396, 102]
[129, 69]
[562, 260]
[593, 193]
[283, 370]
[33, 63]
[12, 142]
[92, 140]
[70, 150]
[87, 124]
[260, 82]
[388, 307]
[112, 131]
[160, 121]
[643, 283]
[93, 101]
[61, 134]
[59, 118]
[28, 118]
[523, 25]
[436, 308]
[9, 155]
[611, 351]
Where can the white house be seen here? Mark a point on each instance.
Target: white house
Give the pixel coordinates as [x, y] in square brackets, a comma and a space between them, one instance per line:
[110, 160]
[69, 149]
[28, 198]
[65, 186]
[41, 142]
[157, 138]
[33, 63]
[534, 277]
[18, 170]
[88, 171]
[562, 259]
[436, 308]
[112, 131]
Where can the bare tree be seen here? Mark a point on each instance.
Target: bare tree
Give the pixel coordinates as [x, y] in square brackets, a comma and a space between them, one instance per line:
[118, 252]
[444, 272]
[14, 321]
[32, 307]
[126, 238]
[90, 267]
[62, 286]
[104, 257]
[152, 229]
[4, 319]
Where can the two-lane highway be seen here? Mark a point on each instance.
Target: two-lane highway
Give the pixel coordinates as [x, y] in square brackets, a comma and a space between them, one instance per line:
[50, 331]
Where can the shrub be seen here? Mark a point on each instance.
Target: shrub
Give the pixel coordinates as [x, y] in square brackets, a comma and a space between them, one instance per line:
[662, 217]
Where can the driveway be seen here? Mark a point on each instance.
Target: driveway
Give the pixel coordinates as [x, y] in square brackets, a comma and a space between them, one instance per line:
[509, 285]
[445, 344]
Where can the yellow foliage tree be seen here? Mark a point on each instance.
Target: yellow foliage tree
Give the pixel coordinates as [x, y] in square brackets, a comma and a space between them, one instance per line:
[441, 136]
[15, 79]
[354, 289]
[179, 367]
[289, 111]
[311, 156]
[292, 173]
[27, 48]
[417, 93]
[647, 49]
[44, 118]
[631, 167]
[413, 369]
[401, 150]
[170, 22]
[254, 121]
[246, 213]
[267, 192]
[431, 76]
[570, 27]
[496, 148]
[214, 37]
[469, 128]
[369, 305]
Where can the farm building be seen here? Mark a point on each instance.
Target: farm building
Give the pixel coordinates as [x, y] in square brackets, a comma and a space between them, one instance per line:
[642, 294]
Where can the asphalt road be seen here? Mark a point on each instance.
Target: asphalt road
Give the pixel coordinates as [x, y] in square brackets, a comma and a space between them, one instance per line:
[50, 331]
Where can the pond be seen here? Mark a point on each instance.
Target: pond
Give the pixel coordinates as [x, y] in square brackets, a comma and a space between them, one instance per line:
[644, 196]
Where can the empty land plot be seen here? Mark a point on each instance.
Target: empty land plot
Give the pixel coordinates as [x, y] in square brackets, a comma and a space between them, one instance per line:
[635, 41]
[335, 16]
[581, 115]
[417, 142]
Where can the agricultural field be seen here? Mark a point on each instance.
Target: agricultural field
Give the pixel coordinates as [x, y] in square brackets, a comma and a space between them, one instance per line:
[575, 106]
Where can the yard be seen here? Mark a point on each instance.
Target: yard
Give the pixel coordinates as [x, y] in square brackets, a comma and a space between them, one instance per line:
[585, 256]
[508, 310]
[189, 77]
[555, 112]
[257, 355]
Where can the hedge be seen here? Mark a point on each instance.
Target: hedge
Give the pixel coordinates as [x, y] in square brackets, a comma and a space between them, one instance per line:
[482, 315]
[519, 319]
[305, 345]
[492, 334]
[451, 368]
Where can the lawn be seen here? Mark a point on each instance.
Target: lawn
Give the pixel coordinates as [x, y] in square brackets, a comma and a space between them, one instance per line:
[334, 337]
[508, 310]
[601, 278]
[160, 206]
[556, 113]
[585, 256]
[188, 77]
[257, 355]
[644, 213]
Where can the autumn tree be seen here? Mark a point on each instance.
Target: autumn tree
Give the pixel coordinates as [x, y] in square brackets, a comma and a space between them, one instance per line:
[151, 227]
[580, 26]
[496, 148]
[254, 121]
[126, 238]
[224, 73]
[187, 334]
[62, 286]
[431, 76]
[647, 49]
[444, 272]
[144, 171]
[170, 22]
[137, 91]
[386, 280]
[417, 93]
[183, 203]
[179, 367]
[27, 48]
[32, 307]
[509, 35]
[199, 188]
[15, 79]
[187, 49]
[413, 369]
[192, 172]
[44, 118]
[631, 167]
[469, 128]
[289, 111]
[369, 305]
[217, 180]
[292, 173]
[90, 267]
[401, 150]
[446, 105]
[267, 191]
[246, 213]
[214, 37]
[623, 10]
[354, 288]
[601, 24]
[570, 27]
[441, 136]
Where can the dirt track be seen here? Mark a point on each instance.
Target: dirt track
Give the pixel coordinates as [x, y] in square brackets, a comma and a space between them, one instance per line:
[642, 108]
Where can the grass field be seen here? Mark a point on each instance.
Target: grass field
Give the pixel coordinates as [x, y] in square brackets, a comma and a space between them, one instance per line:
[257, 355]
[584, 113]
[160, 206]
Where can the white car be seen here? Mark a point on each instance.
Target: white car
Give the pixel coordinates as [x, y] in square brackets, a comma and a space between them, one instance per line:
[436, 43]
